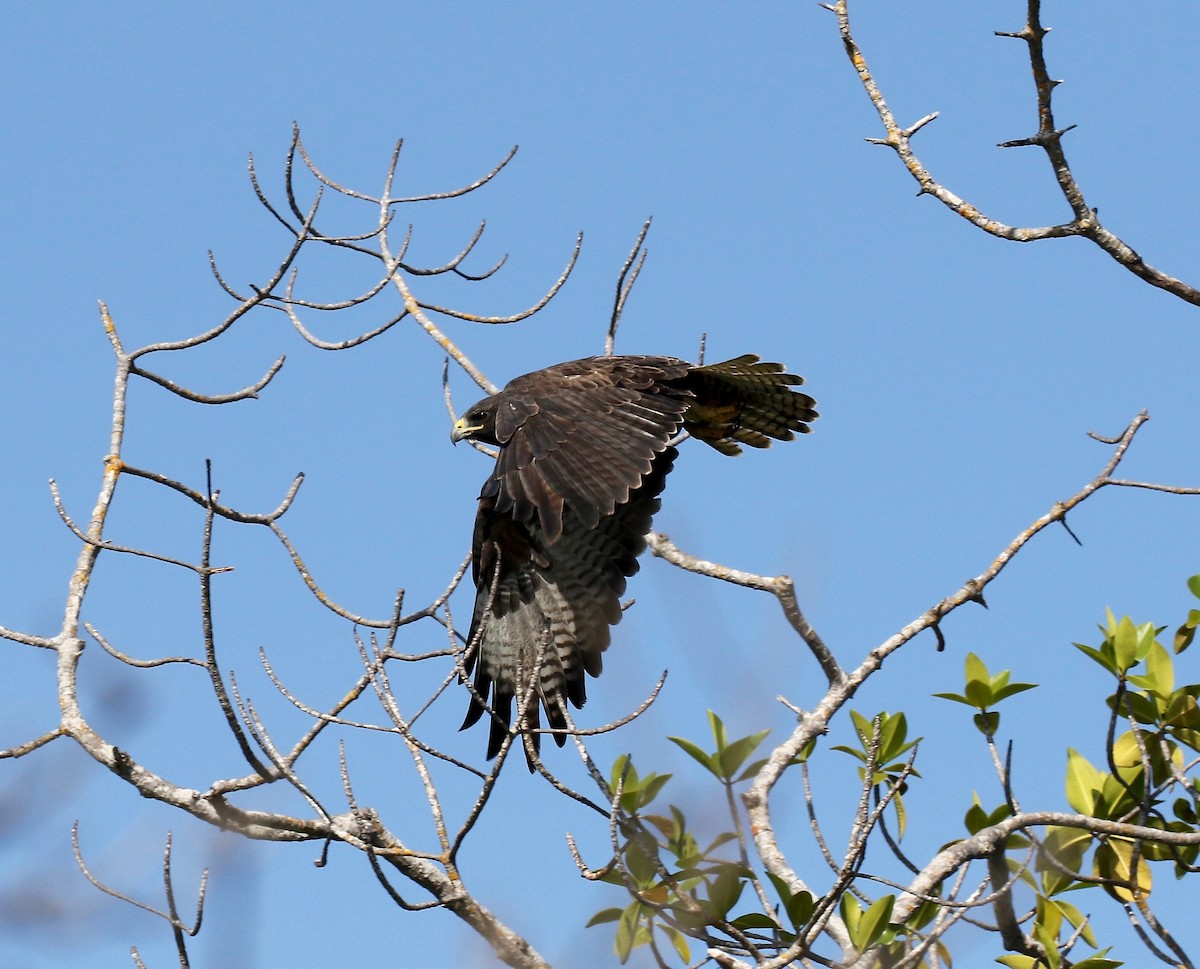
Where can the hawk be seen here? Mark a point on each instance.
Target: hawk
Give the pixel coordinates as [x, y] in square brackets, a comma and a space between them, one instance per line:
[585, 449]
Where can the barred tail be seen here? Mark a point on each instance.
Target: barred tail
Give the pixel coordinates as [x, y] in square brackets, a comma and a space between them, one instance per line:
[743, 401]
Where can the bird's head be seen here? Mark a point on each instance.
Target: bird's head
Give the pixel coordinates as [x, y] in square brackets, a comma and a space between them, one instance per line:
[478, 423]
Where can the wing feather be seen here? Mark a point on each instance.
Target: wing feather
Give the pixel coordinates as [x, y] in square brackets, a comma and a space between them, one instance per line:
[553, 605]
[585, 448]
[585, 432]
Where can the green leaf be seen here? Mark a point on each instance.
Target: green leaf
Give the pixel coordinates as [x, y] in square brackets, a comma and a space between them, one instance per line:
[1155, 851]
[1189, 737]
[1185, 634]
[851, 751]
[640, 857]
[723, 838]
[862, 726]
[1084, 782]
[650, 788]
[630, 932]
[851, 913]
[1114, 860]
[1110, 623]
[1049, 920]
[901, 815]
[1012, 689]
[893, 732]
[604, 915]
[1194, 585]
[1136, 705]
[1125, 642]
[799, 907]
[979, 683]
[956, 697]
[706, 760]
[629, 773]
[733, 756]
[1147, 639]
[718, 730]
[725, 890]
[1127, 756]
[976, 819]
[1067, 847]
[755, 920]
[875, 922]
[923, 914]
[1114, 798]
[751, 770]
[987, 723]
[1078, 921]
[680, 943]
[667, 827]
[1018, 962]
[1053, 956]
[976, 669]
[690, 918]
[1098, 961]
[979, 694]
[1102, 656]
[866, 928]
[1182, 711]
[1046, 927]
[1160, 671]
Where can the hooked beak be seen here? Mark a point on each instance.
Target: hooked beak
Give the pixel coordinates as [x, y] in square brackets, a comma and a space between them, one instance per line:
[460, 430]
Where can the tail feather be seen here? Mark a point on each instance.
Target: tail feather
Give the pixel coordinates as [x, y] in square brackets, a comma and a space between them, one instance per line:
[745, 401]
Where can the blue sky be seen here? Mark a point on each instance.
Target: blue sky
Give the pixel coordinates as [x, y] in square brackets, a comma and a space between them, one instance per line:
[956, 375]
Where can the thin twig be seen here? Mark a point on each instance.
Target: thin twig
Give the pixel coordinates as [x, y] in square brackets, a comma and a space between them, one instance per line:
[1085, 222]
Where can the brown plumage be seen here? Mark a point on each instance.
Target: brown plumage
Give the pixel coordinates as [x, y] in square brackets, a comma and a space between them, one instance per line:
[585, 448]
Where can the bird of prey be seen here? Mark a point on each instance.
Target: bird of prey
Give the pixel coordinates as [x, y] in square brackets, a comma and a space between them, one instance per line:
[585, 449]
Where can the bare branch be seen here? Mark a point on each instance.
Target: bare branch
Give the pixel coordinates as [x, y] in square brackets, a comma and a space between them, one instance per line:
[222, 511]
[346, 344]
[456, 192]
[780, 586]
[521, 314]
[110, 546]
[246, 392]
[171, 916]
[144, 664]
[27, 639]
[210, 643]
[31, 745]
[625, 282]
[1085, 222]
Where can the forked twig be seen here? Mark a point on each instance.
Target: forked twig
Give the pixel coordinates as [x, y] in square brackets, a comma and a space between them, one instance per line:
[625, 282]
[1085, 221]
[171, 915]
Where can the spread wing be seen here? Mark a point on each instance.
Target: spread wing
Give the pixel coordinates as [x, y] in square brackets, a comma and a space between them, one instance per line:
[543, 610]
[583, 435]
[585, 447]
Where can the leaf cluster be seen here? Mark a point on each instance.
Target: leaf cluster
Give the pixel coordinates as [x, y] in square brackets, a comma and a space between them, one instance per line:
[681, 889]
